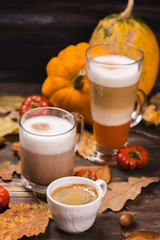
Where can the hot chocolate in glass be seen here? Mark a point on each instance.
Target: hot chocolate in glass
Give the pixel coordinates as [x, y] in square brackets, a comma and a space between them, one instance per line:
[47, 139]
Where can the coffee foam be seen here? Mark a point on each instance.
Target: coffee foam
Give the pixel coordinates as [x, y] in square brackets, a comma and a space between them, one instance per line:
[44, 135]
[111, 118]
[113, 75]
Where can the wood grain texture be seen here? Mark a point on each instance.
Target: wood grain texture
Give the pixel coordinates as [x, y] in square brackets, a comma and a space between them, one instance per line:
[106, 226]
[31, 32]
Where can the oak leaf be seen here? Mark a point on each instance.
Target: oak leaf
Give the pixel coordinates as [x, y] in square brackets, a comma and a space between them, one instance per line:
[143, 235]
[22, 220]
[87, 145]
[7, 169]
[101, 172]
[119, 192]
[41, 204]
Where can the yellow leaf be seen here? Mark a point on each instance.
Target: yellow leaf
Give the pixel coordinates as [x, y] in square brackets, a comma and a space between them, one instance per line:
[8, 126]
[10, 103]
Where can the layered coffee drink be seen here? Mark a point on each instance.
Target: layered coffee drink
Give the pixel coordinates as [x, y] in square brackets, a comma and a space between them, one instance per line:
[113, 93]
[75, 194]
[47, 149]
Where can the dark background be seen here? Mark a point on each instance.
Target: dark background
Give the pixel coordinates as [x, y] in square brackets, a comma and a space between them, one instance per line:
[33, 31]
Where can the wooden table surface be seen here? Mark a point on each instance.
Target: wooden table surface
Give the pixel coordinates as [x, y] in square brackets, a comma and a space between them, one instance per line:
[146, 206]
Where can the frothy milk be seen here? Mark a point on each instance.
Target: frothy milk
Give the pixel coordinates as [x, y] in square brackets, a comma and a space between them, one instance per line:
[44, 135]
[112, 89]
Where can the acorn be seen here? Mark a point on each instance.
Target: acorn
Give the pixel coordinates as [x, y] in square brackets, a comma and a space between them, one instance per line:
[126, 219]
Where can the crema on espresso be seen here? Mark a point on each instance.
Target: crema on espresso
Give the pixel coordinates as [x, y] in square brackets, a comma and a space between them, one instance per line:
[75, 194]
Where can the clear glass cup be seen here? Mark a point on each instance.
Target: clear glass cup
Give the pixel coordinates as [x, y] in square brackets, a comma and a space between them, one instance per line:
[114, 70]
[49, 138]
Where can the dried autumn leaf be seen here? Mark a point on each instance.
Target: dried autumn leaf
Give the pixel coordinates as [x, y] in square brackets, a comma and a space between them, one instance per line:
[152, 111]
[143, 235]
[14, 115]
[87, 145]
[2, 140]
[10, 103]
[22, 220]
[119, 192]
[8, 126]
[156, 100]
[151, 115]
[7, 169]
[41, 204]
[102, 172]
[16, 148]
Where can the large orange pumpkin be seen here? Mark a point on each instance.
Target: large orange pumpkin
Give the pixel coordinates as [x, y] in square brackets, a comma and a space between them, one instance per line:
[126, 28]
[66, 85]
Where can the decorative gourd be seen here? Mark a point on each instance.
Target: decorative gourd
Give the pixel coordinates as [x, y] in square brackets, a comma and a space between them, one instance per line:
[126, 28]
[66, 85]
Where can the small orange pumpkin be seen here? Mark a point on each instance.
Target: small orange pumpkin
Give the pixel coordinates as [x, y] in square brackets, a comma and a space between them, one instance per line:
[66, 85]
[126, 28]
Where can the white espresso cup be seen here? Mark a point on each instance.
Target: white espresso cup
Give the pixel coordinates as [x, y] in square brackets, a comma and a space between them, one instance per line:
[75, 218]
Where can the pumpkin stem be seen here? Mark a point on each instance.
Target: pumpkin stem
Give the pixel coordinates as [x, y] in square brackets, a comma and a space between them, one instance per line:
[77, 81]
[128, 10]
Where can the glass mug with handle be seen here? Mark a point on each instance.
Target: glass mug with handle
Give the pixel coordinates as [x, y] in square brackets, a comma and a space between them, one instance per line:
[49, 138]
[114, 70]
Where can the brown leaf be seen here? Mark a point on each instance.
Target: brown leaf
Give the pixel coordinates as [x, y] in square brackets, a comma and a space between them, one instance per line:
[7, 169]
[16, 148]
[2, 140]
[143, 235]
[102, 172]
[87, 145]
[41, 204]
[22, 220]
[119, 192]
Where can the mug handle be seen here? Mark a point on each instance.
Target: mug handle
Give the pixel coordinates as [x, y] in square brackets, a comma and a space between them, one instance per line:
[103, 186]
[140, 105]
[79, 128]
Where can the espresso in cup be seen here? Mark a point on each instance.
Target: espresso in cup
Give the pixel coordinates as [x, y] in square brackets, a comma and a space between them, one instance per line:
[65, 197]
[75, 194]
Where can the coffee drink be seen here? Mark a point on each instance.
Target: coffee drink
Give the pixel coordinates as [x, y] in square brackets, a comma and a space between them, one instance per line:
[75, 194]
[113, 93]
[47, 149]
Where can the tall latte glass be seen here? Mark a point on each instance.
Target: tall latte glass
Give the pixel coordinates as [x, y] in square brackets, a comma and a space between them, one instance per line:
[113, 70]
[47, 140]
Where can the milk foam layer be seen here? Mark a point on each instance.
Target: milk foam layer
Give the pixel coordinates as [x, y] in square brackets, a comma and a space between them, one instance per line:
[50, 139]
[113, 75]
[109, 106]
